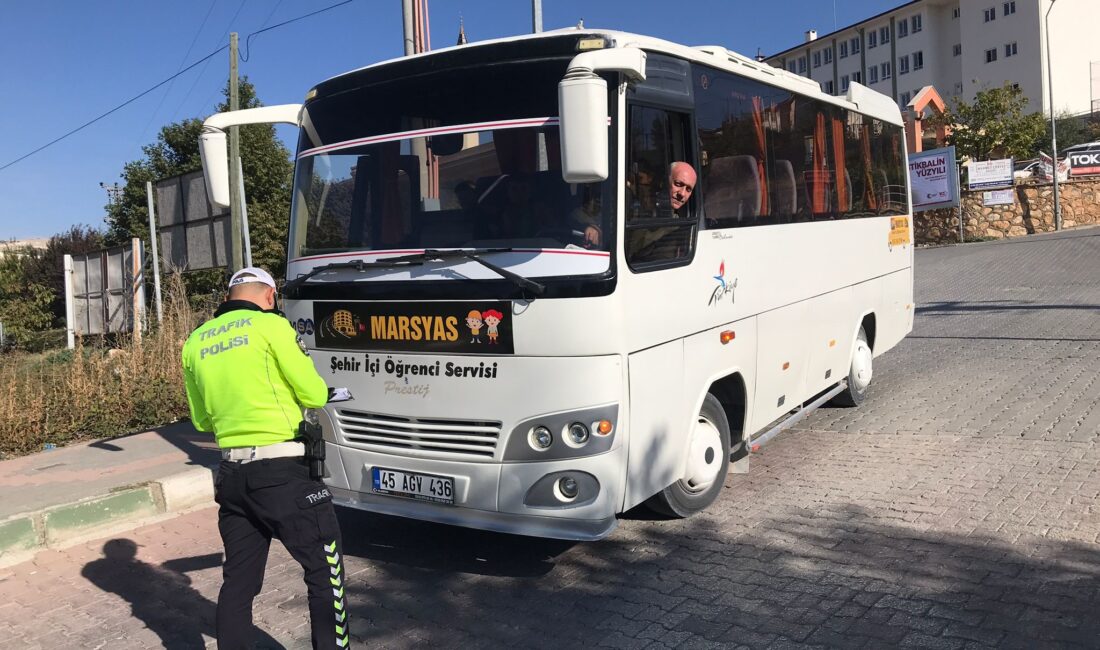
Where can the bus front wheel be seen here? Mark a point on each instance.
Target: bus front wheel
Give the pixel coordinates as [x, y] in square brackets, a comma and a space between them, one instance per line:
[708, 458]
[859, 375]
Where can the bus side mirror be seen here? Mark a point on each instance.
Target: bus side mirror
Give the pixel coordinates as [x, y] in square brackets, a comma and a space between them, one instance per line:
[212, 149]
[582, 107]
[582, 110]
[215, 166]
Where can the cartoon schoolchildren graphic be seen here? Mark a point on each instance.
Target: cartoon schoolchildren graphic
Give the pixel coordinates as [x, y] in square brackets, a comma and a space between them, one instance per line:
[474, 322]
[492, 320]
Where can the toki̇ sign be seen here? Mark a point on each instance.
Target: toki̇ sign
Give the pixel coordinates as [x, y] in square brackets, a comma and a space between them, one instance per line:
[476, 327]
[1084, 163]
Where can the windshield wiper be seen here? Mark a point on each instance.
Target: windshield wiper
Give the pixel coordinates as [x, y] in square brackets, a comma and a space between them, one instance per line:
[473, 254]
[358, 265]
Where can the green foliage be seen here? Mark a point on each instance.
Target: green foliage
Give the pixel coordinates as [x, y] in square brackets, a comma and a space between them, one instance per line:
[24, 300]
[1072, 130]
[993, 126]
[267, 177]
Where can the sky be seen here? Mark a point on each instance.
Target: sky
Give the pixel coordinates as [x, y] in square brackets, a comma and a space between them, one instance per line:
[64, 62]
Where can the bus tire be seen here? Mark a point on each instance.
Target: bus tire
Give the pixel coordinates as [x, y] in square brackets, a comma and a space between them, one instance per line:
[707, 465]
[859, 374]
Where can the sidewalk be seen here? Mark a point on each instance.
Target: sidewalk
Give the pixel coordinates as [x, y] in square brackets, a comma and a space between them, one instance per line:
[55, 498]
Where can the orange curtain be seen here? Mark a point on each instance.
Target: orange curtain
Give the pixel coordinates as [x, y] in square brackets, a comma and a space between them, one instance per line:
[818, 200]
[761, 152]
[839, 167]
[869, 198]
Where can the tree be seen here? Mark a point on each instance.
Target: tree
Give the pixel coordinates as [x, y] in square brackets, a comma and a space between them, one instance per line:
[267, 177]
[24, 303]
[994, 125]
[1072, 130]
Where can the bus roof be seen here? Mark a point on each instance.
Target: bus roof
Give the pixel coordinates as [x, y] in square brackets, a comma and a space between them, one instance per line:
[859, 98]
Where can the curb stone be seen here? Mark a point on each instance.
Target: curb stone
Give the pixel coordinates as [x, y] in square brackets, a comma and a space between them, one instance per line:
[123, 508]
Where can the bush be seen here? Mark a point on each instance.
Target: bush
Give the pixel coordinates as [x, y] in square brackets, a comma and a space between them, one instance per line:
[89, 392]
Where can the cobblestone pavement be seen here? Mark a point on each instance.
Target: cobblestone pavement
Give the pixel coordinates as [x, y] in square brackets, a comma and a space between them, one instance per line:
[955, 509]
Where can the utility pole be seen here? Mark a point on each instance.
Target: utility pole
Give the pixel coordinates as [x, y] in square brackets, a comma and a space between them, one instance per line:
[1053, 123]
[536, 16]
[234, 163]
[407, 22]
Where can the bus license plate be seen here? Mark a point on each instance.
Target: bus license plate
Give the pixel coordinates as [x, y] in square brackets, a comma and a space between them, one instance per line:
[410, 485]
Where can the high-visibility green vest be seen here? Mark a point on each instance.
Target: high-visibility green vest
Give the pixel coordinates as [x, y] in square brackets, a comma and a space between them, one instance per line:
[247, 378]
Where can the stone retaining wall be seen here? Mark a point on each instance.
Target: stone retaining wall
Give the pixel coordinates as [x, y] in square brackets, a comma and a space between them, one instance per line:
[1033, 211]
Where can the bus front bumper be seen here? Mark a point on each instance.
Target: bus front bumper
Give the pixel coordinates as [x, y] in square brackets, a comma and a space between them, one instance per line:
[516, 498]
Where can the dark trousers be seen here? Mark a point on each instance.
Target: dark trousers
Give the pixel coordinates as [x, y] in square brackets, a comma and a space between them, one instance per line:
[276, 498]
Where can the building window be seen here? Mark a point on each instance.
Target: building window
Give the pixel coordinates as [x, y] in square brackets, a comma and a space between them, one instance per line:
[957, 50]
[1010, 8]
[790, 66]
[830, 89]
[954, 13]
[884, 35]
[918, 60]
[801, 65]
[829, 56]
[844, 83]
[905, 97]
[958, 88]
[990, 14]
[817, 59]
[844, 49]
[887, 71]
[872, 39]
[857, 77]
[855, 45]
[903, 64]
[991, 55]
[872, 75]
[903, 28]
[917, 23]
[1010, 49]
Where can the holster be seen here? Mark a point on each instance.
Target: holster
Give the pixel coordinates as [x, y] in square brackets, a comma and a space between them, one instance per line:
[311, 436]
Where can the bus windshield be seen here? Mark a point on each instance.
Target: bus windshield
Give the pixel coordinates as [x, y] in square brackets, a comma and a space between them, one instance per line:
[469, 158]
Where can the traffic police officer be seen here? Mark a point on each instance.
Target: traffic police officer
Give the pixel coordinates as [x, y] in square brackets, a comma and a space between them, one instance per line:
[247, 381]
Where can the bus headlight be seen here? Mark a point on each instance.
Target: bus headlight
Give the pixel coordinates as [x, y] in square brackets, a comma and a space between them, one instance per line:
[540, 438]
[576, 434]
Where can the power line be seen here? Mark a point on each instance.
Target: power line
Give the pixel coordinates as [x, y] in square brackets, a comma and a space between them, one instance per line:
[287, 22]
[169, 79]
[198, 77]
[183, 60]
[122, 105]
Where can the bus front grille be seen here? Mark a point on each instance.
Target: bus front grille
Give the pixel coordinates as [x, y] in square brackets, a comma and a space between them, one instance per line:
[420, 437]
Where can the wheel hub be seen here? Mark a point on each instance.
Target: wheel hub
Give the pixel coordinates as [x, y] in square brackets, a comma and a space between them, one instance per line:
[861, 366]
[704, 456]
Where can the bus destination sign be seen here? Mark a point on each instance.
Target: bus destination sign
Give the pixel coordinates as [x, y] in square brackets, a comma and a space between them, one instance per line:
[443, 327]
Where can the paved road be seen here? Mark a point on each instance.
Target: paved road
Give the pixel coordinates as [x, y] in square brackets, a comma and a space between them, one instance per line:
[955, 509]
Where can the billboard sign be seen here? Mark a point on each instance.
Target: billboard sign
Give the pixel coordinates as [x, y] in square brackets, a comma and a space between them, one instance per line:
[193, 235]
[1084, 163]
[933, 181]
[989, 174]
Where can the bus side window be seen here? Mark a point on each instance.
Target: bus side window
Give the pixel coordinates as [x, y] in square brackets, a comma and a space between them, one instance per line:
[659, 232]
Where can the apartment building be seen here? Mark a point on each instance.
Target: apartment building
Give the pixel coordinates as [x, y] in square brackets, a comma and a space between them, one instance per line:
[961, 47]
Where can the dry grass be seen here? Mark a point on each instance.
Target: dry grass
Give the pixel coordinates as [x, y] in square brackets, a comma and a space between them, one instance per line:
[91, 392]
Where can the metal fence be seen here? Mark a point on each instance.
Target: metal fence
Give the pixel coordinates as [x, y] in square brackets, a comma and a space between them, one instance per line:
[106, 290]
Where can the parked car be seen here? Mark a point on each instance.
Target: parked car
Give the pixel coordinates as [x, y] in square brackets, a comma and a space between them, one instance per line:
[1087, 147]
[1025, 169]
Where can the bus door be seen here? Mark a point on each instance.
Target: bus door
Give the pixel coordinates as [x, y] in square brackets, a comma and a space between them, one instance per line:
[659, 241]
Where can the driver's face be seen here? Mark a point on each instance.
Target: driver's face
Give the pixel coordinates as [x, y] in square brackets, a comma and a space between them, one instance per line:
[681, 184]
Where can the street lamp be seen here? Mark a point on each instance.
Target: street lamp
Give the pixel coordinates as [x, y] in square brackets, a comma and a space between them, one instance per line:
[1053, 122]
